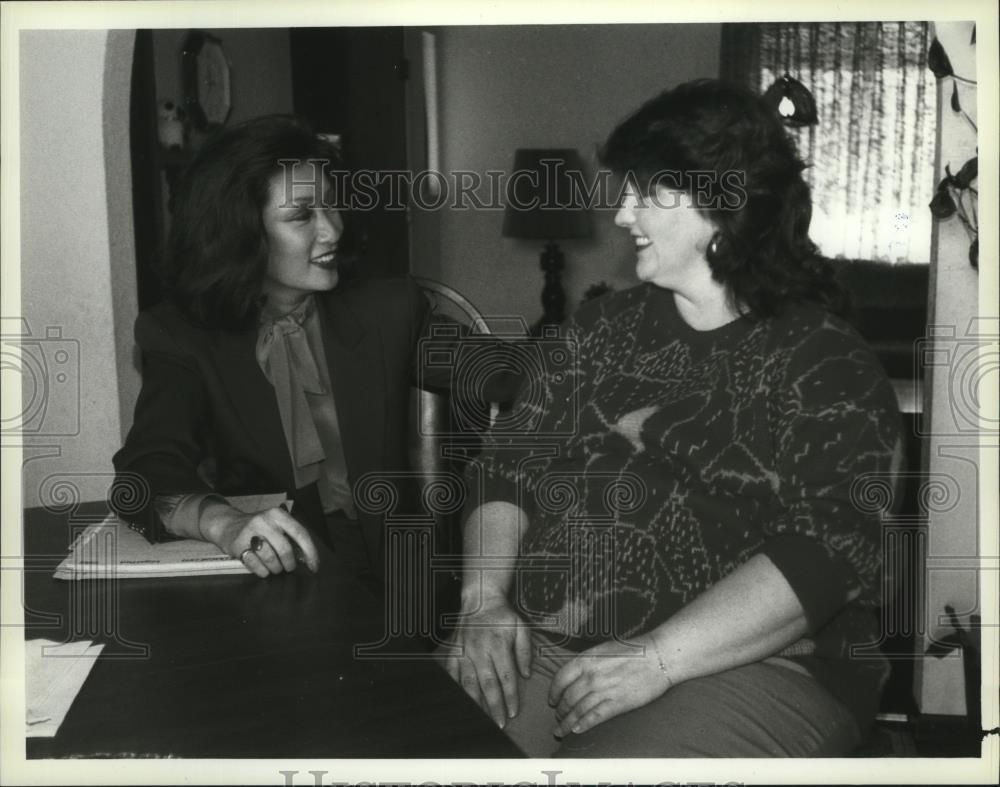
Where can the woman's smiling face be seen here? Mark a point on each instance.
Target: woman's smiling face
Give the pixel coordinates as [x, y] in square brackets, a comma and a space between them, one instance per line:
[670, 237]
[302, 236]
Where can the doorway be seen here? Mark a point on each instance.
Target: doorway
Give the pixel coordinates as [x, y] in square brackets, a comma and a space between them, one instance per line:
[349, 82]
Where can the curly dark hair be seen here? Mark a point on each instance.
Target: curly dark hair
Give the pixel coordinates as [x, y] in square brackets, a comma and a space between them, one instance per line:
[726, 148]
[216, 252]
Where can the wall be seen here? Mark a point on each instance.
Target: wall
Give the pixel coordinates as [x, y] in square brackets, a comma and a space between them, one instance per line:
[544, 86]
[261, 68]
[956, 410]
[121, 232]
[72, 231]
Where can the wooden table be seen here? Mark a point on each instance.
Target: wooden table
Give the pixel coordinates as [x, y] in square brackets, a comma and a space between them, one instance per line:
[235, 666]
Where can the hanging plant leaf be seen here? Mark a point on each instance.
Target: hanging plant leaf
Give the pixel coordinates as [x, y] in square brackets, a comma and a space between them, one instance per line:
[968, 173]
[955, 105]
[942, 206]
[938, 62]
[974, 254]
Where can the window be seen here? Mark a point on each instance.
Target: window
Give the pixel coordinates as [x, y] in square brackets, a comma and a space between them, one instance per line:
[871, 156]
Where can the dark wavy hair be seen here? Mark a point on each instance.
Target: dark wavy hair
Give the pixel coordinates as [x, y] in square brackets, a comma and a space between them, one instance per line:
[216, 253]
[728, 150]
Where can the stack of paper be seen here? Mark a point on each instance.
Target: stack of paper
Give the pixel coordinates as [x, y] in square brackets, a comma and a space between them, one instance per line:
[54, 675]
[112, 550]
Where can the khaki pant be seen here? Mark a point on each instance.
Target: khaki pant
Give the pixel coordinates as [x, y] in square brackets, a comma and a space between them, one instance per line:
[772, 708]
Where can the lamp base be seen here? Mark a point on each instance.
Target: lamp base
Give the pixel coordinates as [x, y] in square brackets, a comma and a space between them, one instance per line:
[552, 263]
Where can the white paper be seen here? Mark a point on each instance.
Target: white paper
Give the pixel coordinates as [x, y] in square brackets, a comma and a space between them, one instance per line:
[54, 675]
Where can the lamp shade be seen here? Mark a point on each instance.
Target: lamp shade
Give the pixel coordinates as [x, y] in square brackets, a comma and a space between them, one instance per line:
[545, 195]
[793, 102]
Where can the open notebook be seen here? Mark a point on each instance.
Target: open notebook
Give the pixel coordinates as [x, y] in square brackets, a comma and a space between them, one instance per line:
[112, 550]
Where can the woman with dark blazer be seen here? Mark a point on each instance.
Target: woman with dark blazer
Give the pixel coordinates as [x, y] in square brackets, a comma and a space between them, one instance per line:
[265, 371]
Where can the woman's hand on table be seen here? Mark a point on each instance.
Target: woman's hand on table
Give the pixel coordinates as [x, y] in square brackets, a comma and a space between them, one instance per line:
[283, 541]
[493, 646]
[605, 681]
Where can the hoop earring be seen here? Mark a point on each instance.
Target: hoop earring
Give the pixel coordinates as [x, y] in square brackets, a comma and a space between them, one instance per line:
[713, 245]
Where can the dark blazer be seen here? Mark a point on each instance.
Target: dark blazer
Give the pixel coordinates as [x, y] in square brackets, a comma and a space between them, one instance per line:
[204, 397]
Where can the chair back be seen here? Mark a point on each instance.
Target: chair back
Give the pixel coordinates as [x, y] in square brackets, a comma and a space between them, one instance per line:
[432, 426]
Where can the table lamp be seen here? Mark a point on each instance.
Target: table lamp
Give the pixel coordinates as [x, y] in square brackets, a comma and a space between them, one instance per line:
[545, 201]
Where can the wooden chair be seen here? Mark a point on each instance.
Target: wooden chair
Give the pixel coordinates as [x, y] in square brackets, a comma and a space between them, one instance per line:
[437, 443]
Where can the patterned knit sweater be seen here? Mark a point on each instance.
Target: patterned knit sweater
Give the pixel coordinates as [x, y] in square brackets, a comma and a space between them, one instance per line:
[663, 458]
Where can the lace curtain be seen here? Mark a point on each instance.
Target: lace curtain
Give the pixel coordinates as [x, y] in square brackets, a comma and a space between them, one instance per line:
[871, 155]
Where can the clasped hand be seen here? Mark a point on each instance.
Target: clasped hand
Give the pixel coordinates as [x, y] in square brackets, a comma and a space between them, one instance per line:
[494, 645]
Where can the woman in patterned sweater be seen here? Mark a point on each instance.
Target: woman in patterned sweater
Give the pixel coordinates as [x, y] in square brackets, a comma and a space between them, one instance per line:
[678, 557]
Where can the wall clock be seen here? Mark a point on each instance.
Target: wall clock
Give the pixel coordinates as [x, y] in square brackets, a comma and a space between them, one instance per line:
[206, 80]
